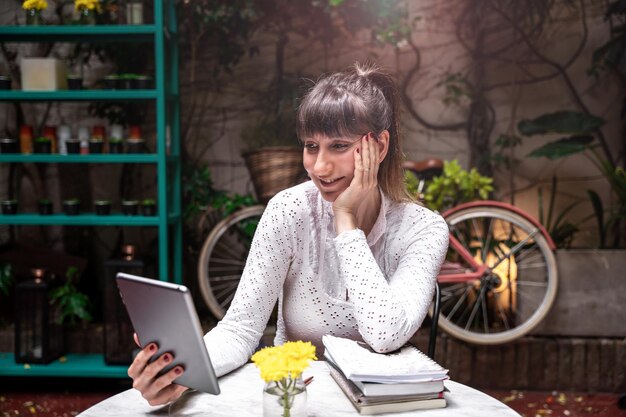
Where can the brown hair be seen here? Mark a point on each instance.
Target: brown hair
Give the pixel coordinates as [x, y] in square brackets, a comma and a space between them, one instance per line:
[359, 100]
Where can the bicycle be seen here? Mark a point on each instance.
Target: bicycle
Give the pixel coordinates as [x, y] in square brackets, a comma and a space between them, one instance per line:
[498, 281]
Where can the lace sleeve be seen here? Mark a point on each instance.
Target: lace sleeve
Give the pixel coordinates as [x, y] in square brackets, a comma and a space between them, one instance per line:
[389, 310]
[235, 338]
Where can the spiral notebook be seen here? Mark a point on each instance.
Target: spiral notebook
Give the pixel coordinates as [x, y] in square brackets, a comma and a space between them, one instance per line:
[359, 363]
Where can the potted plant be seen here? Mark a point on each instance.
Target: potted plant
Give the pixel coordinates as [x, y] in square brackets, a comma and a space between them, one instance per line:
[96, 145]
[272, 156]
[33, 10]
[42, 145]
[9, 207]
[102, 207]
[116, 145]
[73, 304]
[74, 82]
[135, 145]
[148, 207]
[72, 146]
[71, 206]
[143, 82]
[128, 81]
[112, 82]
[9, 145]
[87, 10]
[5, 82]
[45, 206]
[130, 207]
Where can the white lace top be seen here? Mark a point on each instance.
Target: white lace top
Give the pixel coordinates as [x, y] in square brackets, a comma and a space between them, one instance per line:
[375, 289]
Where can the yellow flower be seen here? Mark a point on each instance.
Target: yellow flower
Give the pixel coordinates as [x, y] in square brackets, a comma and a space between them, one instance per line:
[35, 4]
[87, 4]
[285, 361]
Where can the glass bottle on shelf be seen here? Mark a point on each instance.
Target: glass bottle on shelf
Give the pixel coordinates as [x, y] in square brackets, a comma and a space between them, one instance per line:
[26, 139]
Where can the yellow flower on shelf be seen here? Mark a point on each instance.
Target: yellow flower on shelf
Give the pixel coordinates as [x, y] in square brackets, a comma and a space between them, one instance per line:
[87, 4]
[35, 5]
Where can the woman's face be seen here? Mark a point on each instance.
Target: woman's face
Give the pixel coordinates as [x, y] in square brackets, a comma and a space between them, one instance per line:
[330, 163]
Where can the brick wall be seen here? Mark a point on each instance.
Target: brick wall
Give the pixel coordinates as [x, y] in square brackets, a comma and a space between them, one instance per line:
[536, 363]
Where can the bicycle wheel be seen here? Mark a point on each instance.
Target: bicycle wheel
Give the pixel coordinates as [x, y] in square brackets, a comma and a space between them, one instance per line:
[223, 258]
[517, 288]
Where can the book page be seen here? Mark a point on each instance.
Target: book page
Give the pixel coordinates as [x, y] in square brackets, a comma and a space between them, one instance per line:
[360, 363]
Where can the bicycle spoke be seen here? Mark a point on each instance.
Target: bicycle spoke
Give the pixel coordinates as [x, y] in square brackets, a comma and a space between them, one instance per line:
[475, 308]
[217, 269]
[228, 249]
[446, 293]
[224, 278]
[532, 284]
[502, 312]
[528, 298]
[227, 300]
[487, 243]
[485, 316]
[229, 289]
[459, 302]
[530, 266]
[234, 262]
[517, 247]
[531, 251]
[223, 284]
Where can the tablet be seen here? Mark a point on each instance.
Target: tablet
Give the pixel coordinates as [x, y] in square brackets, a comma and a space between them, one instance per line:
[164, 313]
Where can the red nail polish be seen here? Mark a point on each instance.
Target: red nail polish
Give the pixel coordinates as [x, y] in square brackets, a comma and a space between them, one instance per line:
[178, 371]
[167, 358]
[152, 347]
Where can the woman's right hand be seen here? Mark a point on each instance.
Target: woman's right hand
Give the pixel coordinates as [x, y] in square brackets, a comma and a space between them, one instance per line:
[156, 389]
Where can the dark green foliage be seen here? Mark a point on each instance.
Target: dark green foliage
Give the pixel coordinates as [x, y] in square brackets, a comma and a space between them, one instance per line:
[73, 305]
[6, 279]
[560, 122]
[563, 147]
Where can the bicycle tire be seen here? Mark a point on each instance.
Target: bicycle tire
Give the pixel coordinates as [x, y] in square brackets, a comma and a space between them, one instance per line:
[514, 280]
[223, 258]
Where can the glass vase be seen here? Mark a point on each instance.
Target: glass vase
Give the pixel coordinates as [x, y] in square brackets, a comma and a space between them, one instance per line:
[33, 17]
[285, 398]
[86, 16]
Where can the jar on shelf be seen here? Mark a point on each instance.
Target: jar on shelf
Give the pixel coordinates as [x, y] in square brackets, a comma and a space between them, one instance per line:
[34, 17]
[86, 16]
[26, 139]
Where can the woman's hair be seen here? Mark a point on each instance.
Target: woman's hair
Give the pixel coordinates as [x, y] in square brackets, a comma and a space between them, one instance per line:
[359, 100]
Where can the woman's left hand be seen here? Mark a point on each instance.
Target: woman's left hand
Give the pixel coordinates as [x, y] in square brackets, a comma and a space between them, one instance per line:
[366, 163]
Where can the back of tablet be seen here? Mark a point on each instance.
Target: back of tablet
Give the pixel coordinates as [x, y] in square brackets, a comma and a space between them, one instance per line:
[164, 313]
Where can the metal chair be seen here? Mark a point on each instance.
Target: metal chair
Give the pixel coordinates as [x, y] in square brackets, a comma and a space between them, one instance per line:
[432, 338]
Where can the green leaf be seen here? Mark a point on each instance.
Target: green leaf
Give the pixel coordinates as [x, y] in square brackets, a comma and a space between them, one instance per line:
[560, 122]
[563, 147]
[598, 210]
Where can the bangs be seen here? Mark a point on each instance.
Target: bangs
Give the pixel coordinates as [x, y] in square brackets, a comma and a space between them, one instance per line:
[332, 112]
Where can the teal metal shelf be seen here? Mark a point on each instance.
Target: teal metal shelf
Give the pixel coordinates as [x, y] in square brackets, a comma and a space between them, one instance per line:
[75, 365]
[87, 219]
[78, 33]
[166, 157]
[77, 159]
[78, 95]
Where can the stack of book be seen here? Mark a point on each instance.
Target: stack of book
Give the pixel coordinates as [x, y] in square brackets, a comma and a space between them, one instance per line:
[376, 383]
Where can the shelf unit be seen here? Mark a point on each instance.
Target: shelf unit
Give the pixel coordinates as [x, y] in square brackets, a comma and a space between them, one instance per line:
[163, 35]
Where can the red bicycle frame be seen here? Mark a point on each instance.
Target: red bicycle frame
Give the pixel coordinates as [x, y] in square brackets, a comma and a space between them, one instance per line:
[476, 270]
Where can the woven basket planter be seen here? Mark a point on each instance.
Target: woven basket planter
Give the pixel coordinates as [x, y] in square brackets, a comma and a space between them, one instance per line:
[274, 169]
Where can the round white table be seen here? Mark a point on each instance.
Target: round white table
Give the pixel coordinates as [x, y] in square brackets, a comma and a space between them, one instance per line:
[241, 396]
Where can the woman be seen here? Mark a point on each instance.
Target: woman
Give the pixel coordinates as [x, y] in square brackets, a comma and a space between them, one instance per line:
[347, 253]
